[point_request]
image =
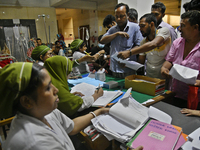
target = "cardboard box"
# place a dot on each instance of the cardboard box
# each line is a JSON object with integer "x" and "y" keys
{"x": 144, "y": 84}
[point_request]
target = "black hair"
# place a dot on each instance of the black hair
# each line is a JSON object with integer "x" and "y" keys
{"x": 193, "y": 17}
{"x": 195, "y": 5}
{"x": 159, "y": 5}
{"x": 39, "y": 39}
{"x": 122, "y": 4}
{"x": 31, "y": 90}
{"x": 186, "y": 6}
{"x": 56, "y": 42}
{"x": 99, "y": 38}
{"x": 149, "y": 18}
{"x": 108, "y": 20}
{"x": 81, "y": 46}
{"x": 133, "y": 14}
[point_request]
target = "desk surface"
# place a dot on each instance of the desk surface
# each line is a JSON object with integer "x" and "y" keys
{"x": 188, "y": 123}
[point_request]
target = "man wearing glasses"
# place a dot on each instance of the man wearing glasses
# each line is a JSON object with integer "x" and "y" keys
{"x": 123, "y": 36}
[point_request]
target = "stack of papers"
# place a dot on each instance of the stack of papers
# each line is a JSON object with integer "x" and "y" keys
{"x": 184, "y": 74}
{"x": 125, "y": 118}
{"x": 130, "y": 64}
{"x": 107, "y": 97}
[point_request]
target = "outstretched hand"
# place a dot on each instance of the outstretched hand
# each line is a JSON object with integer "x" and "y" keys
{"x": 124, "y": 54}
{"x": 87, "y": 58}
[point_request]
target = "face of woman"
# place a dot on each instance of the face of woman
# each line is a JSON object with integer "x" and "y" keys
{"x": 84, "y": 48}
{"x": 47, "y": 98}
{"x": 47, "y": 55}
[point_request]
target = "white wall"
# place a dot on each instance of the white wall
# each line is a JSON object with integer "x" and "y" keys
{"x": 139, "y": 6}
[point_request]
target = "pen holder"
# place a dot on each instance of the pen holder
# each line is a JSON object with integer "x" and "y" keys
{"x": 100, "y": 76}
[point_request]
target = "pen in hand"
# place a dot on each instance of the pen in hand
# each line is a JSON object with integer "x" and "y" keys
{"x": 98, "y": 88}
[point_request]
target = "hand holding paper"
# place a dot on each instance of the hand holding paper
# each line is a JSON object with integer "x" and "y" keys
{"x": 130, "y": 64}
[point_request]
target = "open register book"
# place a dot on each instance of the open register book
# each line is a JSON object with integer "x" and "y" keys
{"x": 126, "y": 117}
{"x": 88, "y": 90}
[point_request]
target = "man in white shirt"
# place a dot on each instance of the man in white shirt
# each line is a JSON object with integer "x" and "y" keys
{"x": 154, "y": 46}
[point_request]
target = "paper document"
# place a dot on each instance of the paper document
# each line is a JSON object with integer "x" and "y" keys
{"x": 107, "y": 97}
{"x": 184, "y": 74}
{"x": 82, "y": 88}
{"x": 130, "y": 64}
{"x": 125, "y": 118}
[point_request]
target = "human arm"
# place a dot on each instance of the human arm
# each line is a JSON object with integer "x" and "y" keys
{"x": 82, "y": 122}
{"x": 165, "y": 69}
{"x": 97, "y": 55}
{"x": 88, "y": 101}
{"x": 141, "y": 49}
{"x": 108, "y": 38}
{"x": 190, "y": 112}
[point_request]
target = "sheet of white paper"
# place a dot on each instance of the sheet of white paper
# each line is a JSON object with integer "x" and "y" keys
{"x": 159, "y": 115}
{"x": 126, "y": 107}
{"x": 82, "y": 88}
{"x": 187, "y": 146}
{"x": 130, "y": 64}
{"x": 196, "y": 144}
{"x": 194, "y": 135}
{"x": 184, "y": 74}
{"x": 107, "y": 97}
{"x": 114, "y": 125}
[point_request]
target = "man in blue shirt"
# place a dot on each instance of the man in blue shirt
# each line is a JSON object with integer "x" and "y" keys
{"x": 123, "y": 36}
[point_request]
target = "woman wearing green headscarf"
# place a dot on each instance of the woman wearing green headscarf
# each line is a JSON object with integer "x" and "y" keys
{"x": 41, "y": 53}
{"x": 38, "y": 125}
{"x": 59, "y": 67}
{"x": 79, "y": 48}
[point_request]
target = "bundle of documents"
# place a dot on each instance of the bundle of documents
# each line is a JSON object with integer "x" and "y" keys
{"x": 125, "y": 118}
{"x": 158, "y": 136}
{"x": 107, "y": 97}
{"x": 130, "y": 64}
{"x": 184, "y": 74}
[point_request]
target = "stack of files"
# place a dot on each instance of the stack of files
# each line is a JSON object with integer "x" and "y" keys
{"x": 193, "y": 142}
{"x": 88, "y": 80}
{"x": 126, "y": 117}
{"x": 158, "y": 136}
{"x": 88, "y": 90}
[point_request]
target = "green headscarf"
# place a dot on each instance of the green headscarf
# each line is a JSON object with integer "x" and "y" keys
{"x": 76, "y": 44}
{"x": 40, "y": 50}
{"x": 14, "y": 78}
{"x": 59, "y": 67}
